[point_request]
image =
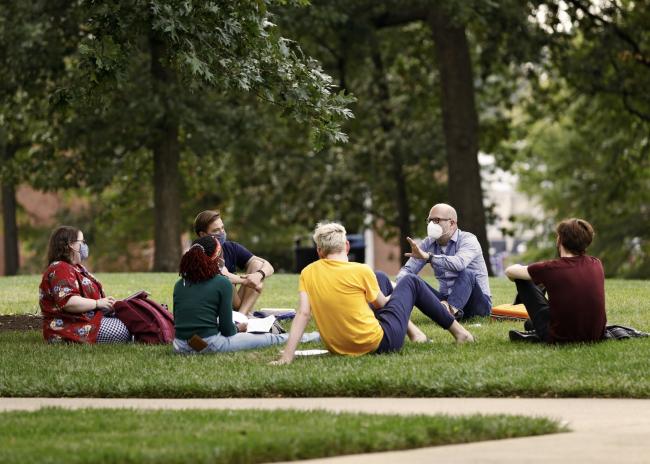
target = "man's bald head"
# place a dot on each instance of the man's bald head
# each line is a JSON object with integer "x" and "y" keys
{"x": 443, "y": 210}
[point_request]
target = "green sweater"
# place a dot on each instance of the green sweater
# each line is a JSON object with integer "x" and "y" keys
{"x": 198, "y": 305}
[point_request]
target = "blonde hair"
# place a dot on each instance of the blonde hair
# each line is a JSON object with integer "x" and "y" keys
{"x": 330, "y": 237}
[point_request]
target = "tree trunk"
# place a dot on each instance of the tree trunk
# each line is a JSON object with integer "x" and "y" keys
{"x": 166, "y": 152}
{"x": 397, "y": 163}
{"x": 10, "y": 224}
{"x": 10, "y": 229}
{"x": 460, "y": 125}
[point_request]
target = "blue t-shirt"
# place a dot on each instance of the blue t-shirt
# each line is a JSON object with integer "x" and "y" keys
{"x": 235, "y": 255}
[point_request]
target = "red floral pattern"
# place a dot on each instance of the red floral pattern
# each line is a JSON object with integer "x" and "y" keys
{"x": 61, "y": 281}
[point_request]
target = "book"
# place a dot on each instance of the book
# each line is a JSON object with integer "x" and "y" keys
{"x": 255, "y": 324}
{"x": 260, "y": 325}
{"x": 239, "y": 317}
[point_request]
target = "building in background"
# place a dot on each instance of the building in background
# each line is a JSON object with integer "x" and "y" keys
{"x": 501, "y": 195}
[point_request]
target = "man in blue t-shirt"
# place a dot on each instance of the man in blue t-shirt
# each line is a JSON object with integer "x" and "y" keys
{"x": 236, "y": 257}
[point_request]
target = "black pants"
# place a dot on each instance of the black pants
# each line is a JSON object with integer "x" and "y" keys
{"x": 536, "y": 305}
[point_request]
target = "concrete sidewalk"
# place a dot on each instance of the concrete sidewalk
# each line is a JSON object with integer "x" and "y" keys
{"x": 602, "y": 430}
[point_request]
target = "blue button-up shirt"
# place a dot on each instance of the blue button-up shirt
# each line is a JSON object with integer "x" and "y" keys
{"x": 463, "y": 251}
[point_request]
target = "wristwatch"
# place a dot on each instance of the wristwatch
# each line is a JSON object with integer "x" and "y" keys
{"x": 430, "y": 259}
{"x": 261, "y": 272}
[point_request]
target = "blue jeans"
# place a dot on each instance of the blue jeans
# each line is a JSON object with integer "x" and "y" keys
{"x": 239, "y": 342}
{"x": 467, "y": 297}
{"x": 410, "y": 291}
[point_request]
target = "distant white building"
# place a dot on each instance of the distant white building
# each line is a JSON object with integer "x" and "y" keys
{"x": 500, "y": 192}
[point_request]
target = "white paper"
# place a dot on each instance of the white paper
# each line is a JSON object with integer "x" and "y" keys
{"x": 310, "y": 352}
{"x": 239, "y": 317}
{"x": 260, "y": 325}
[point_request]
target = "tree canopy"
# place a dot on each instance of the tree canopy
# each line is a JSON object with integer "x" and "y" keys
{"x": 154, "y": 110}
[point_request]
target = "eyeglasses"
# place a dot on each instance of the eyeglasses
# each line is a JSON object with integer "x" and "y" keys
{"x": 436, "y": 220}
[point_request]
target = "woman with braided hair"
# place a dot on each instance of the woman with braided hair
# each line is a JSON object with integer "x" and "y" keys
{"x": 203, "y": 306}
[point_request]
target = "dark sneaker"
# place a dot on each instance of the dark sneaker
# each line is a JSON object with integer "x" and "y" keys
{"x": 528, "y": 325}
{"x": 528, "y": 336}
{"x": 277, "y": 328}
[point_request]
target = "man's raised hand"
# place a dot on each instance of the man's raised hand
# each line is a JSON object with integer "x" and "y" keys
{"x": 416, "y": 251}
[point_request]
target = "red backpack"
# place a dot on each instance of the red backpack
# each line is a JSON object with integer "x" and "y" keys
{"x": 147, "y": 320}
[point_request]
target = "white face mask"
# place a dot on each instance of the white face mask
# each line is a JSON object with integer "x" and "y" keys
{"x": 434, "y": 230}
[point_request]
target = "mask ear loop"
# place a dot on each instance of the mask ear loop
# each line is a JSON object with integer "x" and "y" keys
{"x": 217, "y": 248}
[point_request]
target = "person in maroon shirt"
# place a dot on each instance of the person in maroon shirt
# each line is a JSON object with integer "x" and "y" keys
{"x": 72, "y": 300}
{"x": 575, "y": 283}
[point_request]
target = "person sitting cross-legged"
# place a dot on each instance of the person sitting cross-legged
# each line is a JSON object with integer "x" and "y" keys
{"x": 457, "y": 261}
{"x": 203, "y": 307}
{"x": 575, "y": 282}
{"x": 337, "y": 293}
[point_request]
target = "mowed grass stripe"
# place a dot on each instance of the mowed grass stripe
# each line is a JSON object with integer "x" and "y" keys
{"x": 242, "y": 436}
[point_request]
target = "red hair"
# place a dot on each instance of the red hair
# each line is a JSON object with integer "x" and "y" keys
{"x": 200, "y": 262}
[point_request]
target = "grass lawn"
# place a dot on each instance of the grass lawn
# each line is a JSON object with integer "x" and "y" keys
{"x": 491, "y": 367}
{"x": 245, "y": 436}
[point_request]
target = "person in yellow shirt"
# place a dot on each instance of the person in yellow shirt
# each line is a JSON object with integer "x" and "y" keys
{"x": 337, "y": 293}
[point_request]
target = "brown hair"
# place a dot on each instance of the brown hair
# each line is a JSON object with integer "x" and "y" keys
{"x": 204, "y": 219}
{"x": 58, "y": 248}
{"x": 200, "y": 262}
{"x": 575, "y": 235}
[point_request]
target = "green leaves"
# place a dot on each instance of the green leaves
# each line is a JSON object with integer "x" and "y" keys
{"x": 103, "y": 55}
{"x": 235, "y": 46}
{"x": 583, "y": 137}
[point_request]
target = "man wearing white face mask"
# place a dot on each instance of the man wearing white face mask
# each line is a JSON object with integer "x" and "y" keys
{"x": 457, "y": 261}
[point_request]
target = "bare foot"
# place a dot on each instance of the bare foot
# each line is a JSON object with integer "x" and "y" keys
{"x": 460, "y": 333}
{"x": 415, "y": 334}
{"x": 418, "y": 338}
{"x": 464, "y": 338}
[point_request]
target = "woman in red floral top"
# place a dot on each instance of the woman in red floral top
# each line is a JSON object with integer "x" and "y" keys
{"x": 72, "y": 301}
